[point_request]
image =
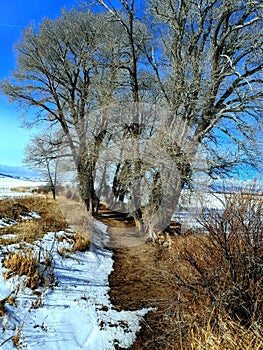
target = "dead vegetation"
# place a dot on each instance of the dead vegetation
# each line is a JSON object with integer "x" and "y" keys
{"x": 207, "y": 287}
{"x": 228, "y": 335}
{"x": 75, "y": 214}
{"x": 20, "y": 263}
{"x": 27, "y": 261}
{"x": 82, "y": 244}
{"x": 17, "y": 337}
{"x": 51, "y": 219}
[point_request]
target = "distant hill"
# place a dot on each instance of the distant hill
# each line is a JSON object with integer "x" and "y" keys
{"x": 18, "y": 172}
{"x": 206, "y": 184}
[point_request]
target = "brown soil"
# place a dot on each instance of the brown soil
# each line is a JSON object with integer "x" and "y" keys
{"x": 140, "y": 279}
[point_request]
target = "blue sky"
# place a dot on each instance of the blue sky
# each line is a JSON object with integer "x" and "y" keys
{"x": 15, "y": 15}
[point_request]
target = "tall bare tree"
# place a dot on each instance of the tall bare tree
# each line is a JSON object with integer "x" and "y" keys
{"x": 201, "y": 60}
{"x": 208, "y": 65}
{"x": 206, "y": 57}
{"x": 135, "y": 31}
{"x": 65, "y": 70}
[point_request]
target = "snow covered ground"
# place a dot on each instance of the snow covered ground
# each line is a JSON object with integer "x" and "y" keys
{"x": 192, "y": 203}
{"x": 7, "y": 184}
{"x": 76, "y": 312}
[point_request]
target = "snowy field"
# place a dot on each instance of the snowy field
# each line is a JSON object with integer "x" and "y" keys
{"x": 192, "y": 203}
{"x": 7, "y": 184}
{"x": 76, "y": 312}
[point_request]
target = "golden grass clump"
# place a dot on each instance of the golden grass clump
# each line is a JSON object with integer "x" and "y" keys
{"x": 17, "y": 337}
{"x": 23, "y": 264}
{"x": 225, "y": 335}
{"x": 81, "y": 244}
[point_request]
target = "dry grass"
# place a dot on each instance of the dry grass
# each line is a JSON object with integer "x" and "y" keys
{"x": 17, "y": 337}
{"x": 207, "y": 287}
{"x": 22, "y": 189}
{"x": 23, "y": 264}
{"x": 55, "y": 216}
{"x": 227, "y": 335}
{"x": 75, "y": 214}
{"x": 82, "y": 244}
{"x": 27, "y": 263}
{"x": 2, "y": 307}
{"x": 51, "y": 219}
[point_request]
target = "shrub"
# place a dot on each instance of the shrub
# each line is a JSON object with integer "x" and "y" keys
{"x": 235, "y": 277}
{"x": 211, "y": 282}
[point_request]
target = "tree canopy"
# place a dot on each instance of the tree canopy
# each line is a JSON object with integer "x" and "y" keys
{"x": 199, "y": 61}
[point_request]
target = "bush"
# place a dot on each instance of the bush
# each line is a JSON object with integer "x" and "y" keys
{"x": 235, "y": 278}
{"x": 216, "y": 280}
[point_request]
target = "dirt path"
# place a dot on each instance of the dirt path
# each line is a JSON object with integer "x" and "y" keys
{"x": 138, "y": 278}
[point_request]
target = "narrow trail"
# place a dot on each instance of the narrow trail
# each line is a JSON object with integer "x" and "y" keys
{"x": 134, "y": 280}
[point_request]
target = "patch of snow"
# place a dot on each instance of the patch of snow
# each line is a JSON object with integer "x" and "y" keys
{"x": 193, "y": 202}
{"x": 31, "y": 215}
{"x": 8, "y": 236}
{"x": 76, "y": 313}
{"x": 5, "y": 222}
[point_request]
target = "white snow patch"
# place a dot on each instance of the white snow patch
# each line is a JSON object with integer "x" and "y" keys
{"x": 31, "y": 215}
{"x": 76, "y": 313}
{"x": 5, "y": 222}
{"x": 8, "y": 236}
{"x": 193, "y": 202}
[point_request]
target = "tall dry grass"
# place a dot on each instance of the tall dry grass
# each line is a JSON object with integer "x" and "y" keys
{"x": 226, "y": 335}
{"x": 211, "y": 283}
{"x": 23, "y": 263}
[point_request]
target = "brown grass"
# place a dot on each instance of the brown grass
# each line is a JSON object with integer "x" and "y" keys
{"x": 82, "y": 244}
{"x": 26, "y": 263}
{"x": 207, "y": 287}
{"x": 22, "y": 264}
{"x": 76, "y": 216}
{"x": 227, "y": 335}
{"x": 2, "y": 307}
{"x": 17, "y": 337}
{"x": 30, "y": 230}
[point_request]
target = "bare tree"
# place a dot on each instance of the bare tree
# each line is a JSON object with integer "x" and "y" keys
{"x": 208, "y": 64}
{"x": 210, "y": 69}
{"x": 44, "y": 154}
{"x": 65, "y": 70}
{"x": 140, "y": 81}
{"x": 202, "y": 62}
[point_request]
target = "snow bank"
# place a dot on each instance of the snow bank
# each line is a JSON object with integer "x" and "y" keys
{"x": 76, "y": 313}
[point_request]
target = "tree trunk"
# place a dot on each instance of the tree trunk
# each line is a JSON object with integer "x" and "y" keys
{"x": 166, "y": 193}
{"x": 86, "y": 187}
